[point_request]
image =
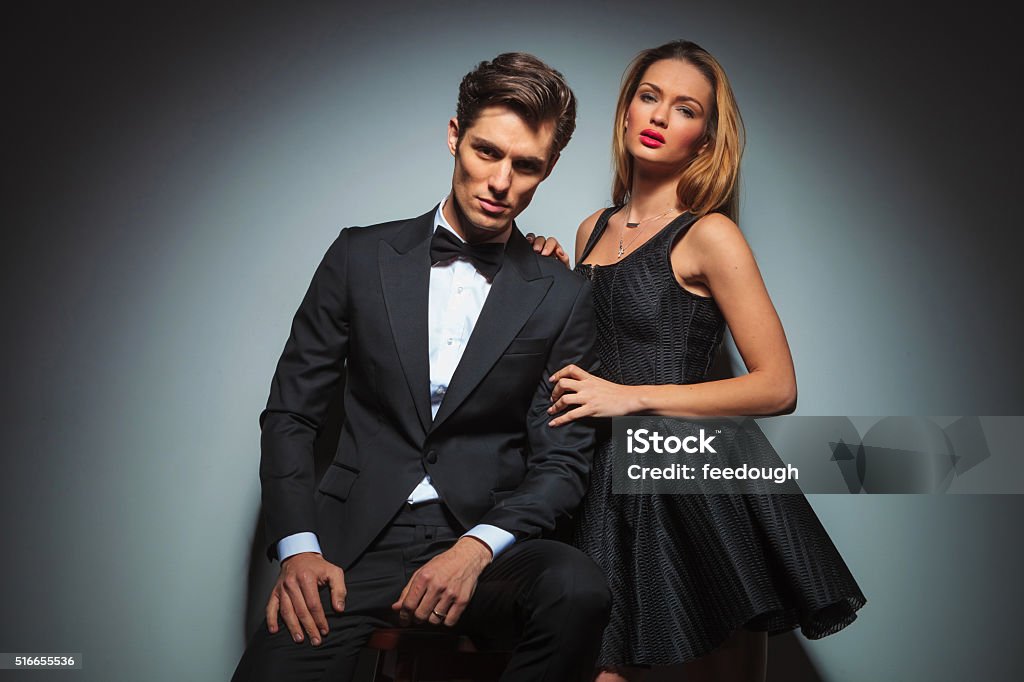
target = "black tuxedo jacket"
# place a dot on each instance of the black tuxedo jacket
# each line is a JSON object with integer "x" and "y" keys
{"x": 490, "y": 453}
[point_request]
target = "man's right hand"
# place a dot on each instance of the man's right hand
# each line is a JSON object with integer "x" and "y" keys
{"x": 296, "y": 595}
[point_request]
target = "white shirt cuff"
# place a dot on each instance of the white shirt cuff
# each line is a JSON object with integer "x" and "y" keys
{"x": 296, "y": 544}
{"x": 497, "y": 539}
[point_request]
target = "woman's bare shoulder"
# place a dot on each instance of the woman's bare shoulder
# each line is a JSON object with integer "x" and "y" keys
{"x": 586, "y": 229}
{"x": 716, "y": 233}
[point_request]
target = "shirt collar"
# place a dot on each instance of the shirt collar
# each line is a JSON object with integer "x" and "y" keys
{"x": 441, "y": 221}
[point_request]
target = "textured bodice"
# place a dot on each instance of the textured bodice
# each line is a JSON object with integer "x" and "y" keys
{"x": 650, "y": 330}
{"x": 684, "y": 570}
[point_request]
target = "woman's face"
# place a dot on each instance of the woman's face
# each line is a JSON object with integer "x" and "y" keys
{"x": 665, "y": 120}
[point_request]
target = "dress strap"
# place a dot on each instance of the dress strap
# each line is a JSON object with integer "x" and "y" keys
{"x": 684, "y": 221}
{"x": 599, "y": 227}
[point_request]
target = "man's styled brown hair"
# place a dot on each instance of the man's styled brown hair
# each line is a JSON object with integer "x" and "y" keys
{"x": 524, "y": 84}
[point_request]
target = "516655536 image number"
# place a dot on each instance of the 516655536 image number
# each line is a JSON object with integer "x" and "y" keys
{"x": 22, "y": 661}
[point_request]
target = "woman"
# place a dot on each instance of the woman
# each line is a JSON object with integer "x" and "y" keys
{"x": 694, "y": 578}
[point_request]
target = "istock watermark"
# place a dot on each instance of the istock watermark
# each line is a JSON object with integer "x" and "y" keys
{"x": 642, "y": 441}
{"x": 797, "y": 454}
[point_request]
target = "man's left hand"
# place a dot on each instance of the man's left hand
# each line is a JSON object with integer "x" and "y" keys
{"x": 440, "y": 590}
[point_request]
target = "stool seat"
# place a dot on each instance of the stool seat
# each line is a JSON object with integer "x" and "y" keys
{"x": 432, "y": 655}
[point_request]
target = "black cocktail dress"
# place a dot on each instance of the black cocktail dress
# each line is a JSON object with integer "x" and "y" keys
{"x": 687, "y": 570}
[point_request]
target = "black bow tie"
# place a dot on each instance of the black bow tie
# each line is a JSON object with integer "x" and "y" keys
{"x": 486, "y": 258}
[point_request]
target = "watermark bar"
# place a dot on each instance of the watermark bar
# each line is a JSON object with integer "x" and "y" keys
{"x": 817, "y": 455}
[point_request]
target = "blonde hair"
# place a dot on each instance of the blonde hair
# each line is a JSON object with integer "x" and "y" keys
{"x": 710, "y": 181}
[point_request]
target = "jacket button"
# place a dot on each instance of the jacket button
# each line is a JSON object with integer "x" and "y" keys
{"x": 432, "y": 457}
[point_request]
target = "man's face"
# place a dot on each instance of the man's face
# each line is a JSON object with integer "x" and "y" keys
{"x": 499, "y": 162}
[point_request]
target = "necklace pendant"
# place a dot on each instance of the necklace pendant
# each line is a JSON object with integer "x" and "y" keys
{"x": 632, "y": 224}
{"x": 621, "y": 250}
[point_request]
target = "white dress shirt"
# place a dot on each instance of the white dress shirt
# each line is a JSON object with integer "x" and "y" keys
{"x": 456, "y": 297}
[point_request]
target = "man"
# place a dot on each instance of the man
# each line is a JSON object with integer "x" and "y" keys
{"x": 447, "y": 328}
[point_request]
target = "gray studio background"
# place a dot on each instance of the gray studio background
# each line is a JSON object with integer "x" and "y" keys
{"x": 174, "y": 177}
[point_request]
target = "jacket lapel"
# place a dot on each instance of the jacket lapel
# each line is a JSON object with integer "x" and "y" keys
{"x": 405, "y": 280}
{"x": 515, "y": 293}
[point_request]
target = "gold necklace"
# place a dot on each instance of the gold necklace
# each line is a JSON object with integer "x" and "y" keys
{"x": 622, "y": 233}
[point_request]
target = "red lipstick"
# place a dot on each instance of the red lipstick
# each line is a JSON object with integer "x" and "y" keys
{"x": 651, "y": 138}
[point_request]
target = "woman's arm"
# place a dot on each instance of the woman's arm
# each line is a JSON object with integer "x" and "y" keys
{"x": 713, "y": 257}
{"x": 715, "y": 254}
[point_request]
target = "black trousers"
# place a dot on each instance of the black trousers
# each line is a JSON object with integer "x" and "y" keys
{"x": 544, "y": 597}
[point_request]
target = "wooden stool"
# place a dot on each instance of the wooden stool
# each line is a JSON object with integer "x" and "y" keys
{"x": 422, "y": 655}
